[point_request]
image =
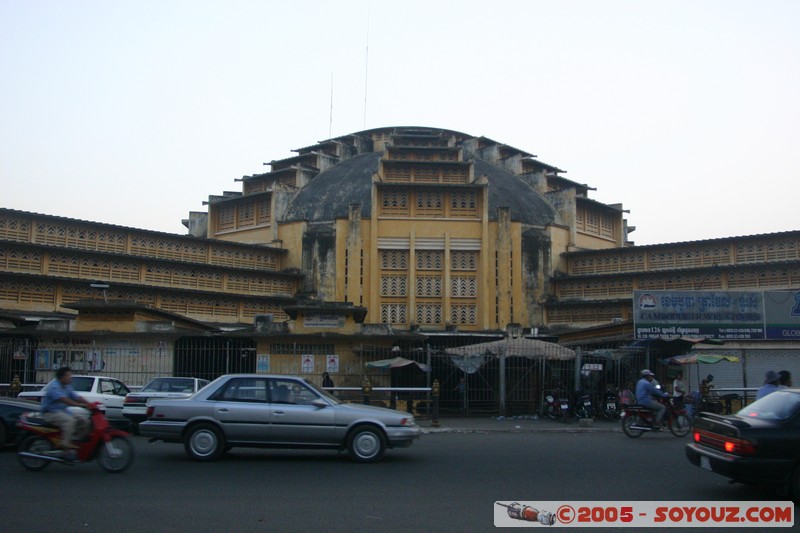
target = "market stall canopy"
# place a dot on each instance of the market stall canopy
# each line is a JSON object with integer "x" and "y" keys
{"x": 515, "y": 348}
{"x": 397, "y": 362}
{"x": 694, "y": 358}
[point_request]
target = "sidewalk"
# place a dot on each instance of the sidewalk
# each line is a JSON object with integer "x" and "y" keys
{"x": 522, "y": 424}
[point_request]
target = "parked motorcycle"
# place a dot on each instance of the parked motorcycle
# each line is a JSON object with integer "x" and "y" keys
{"x": 557, "y": 407}
{"x": 637, "y": 420}
{"x": 610, "y": 404}
{"x": 38, "y": 443}
{"x": 583, "y": 405}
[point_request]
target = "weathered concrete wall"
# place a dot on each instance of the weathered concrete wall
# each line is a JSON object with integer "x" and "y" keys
{"x": 536, "y": 261}
{"x": 319, "y": 261}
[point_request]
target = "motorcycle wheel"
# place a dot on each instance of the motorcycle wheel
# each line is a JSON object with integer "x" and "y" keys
{"x": 34, "y": 444}
{"x": 551, "y": 413}
{"x": 680, "y": 426}
{"x": 632, "y": 420}
{"x": 119, "y": 457}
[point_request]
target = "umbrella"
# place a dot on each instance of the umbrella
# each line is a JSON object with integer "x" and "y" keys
{"x": 397, "y": 362}
{"x": 694, "y": 358}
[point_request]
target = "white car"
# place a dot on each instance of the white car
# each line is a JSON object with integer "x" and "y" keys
{"x": 134, "y": 408}
{"x": 110, "y": 392}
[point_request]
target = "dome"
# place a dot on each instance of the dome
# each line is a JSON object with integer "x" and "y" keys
{"x": 328, "y": 196}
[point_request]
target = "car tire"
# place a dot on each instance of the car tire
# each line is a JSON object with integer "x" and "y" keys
{"x": 366, "y": 444}
{"x": 204, "y": 442}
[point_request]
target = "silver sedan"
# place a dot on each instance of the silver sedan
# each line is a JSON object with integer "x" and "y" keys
{"x": 257, "y": 410}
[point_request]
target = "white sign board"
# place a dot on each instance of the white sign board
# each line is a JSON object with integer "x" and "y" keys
{"x": 332, "y": 364}
{"x": 308, "y": 363}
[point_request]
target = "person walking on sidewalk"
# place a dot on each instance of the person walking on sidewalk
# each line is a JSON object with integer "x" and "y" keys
{"x": 461, "y": 389}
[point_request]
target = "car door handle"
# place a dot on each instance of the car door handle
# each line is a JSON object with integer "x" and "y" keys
{"x": 223, "y": 410}
{"x": 278, "y": 412}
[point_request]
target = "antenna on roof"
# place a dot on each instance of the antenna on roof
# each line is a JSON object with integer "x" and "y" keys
{"x": 366, "y": 66}
{"x": 330, "y": 122}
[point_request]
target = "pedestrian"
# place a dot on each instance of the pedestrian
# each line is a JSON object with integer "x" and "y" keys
{"x": 327, "y": 382}
{"x": 784, "y": 379}
{"x": 770, "y": 384}
{"x": 461, "y": 389}
{"x": 705, "y": 388}
{"x": 678, "y": 388}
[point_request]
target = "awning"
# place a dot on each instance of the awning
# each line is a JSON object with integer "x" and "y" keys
{"x": 522, "y": 347}
{"x": 694, "y": 358}
{"x": 397, "y": 362}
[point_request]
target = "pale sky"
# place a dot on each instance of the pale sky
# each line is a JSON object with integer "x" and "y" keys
{"x": 132, "y": 113}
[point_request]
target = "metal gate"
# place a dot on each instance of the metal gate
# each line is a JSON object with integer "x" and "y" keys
{"x": 211, "y": 357}
{"x": 17, "y": 358}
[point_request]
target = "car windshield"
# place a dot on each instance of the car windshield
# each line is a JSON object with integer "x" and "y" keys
{"x": 79, "y": 384}
{"x": 779, "y": 405}
{"x": 169, "y": 385}
{"x": 323, "y": 392}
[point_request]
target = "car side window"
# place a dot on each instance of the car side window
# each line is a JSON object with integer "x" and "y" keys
{"x": 291, "y": 392}
{"x": 120, "y": 389}
{"x": 106, "y": 386}
{"x": 243, "y": 390}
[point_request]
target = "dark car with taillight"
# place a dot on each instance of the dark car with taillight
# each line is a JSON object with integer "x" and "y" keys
{"x": 758, "y": 445}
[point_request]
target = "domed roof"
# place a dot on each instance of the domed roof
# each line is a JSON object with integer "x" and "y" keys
{"x": 328, "y": 196}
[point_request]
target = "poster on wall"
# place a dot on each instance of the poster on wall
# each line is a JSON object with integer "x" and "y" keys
{"x": 262, "y": 363}
{"x": 332, "y": 364}
{"x": 94, "y": 360}
{"x": 76, "y": 360}
{"x": 42, "y": 359}
{"x": 59, "y": 358}
{"x": 308, "y": 363}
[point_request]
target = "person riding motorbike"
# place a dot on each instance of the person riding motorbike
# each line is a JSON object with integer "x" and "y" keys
{"x": 646, "y": 391}
{"x": 55, "y": 403}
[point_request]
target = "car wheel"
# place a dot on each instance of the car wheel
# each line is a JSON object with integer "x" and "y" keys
{"x": 204, "y": 442}
{"x": 366, "y": 444}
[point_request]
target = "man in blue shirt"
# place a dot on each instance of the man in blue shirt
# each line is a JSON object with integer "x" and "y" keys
{"x": 646, "y": 391}
{"x": 55, "y": 403}
{"x": 770, "y": 384}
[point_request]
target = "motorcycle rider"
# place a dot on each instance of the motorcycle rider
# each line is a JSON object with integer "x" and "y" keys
{"x": 55, "y": 403}
{"x": 646, "y": 391}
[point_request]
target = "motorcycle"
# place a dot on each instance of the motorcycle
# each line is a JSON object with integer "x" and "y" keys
{"x": 637, "y": 420}
{"x": 610, "y": 404}
{"x": 39, "y": 441}
{"x": 583, "y": 405}
{"x": 557, "y": 407}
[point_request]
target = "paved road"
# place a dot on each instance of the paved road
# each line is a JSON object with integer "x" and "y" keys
{"x": 445, "y": 482}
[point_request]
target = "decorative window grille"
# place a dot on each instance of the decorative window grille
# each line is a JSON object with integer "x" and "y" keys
{"x": 463, "y": 287}
{"x": 463, "y": 203}
{"x": 430, "y": 203}
{"x": 455, "y": 174}
{"x": 394, "y": 259}
{"x": 14, "y": 229}
{"x": 397, "y": 173}
{"x": 227, "y": 218}
{"x": 394, "y": 202}
{"x": 606, "y": 226}
{"x": 426, "y": 174}
{"x": 393, "y": 313}
{"x": 429, "y": 286}
{"x": 430, "y": 259}
{"x": 21, "y": 260}
{"x": 394, "y": 285}
{"x": 247, "y": 214}
{"x": 264, "y": 215}
{"x": 429, "y": 314}
{"x": 464, "y": 314}
{"x": 464, "y": 260}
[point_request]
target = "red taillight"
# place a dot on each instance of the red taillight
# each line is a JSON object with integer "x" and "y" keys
{"x": 696, "y": 436}
{"x": 128, "y": 399}
{"x": 150, "y": 411}
{"x": 739, "y": 447}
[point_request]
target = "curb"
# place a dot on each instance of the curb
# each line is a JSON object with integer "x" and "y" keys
{"x": 520, "y": 430}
